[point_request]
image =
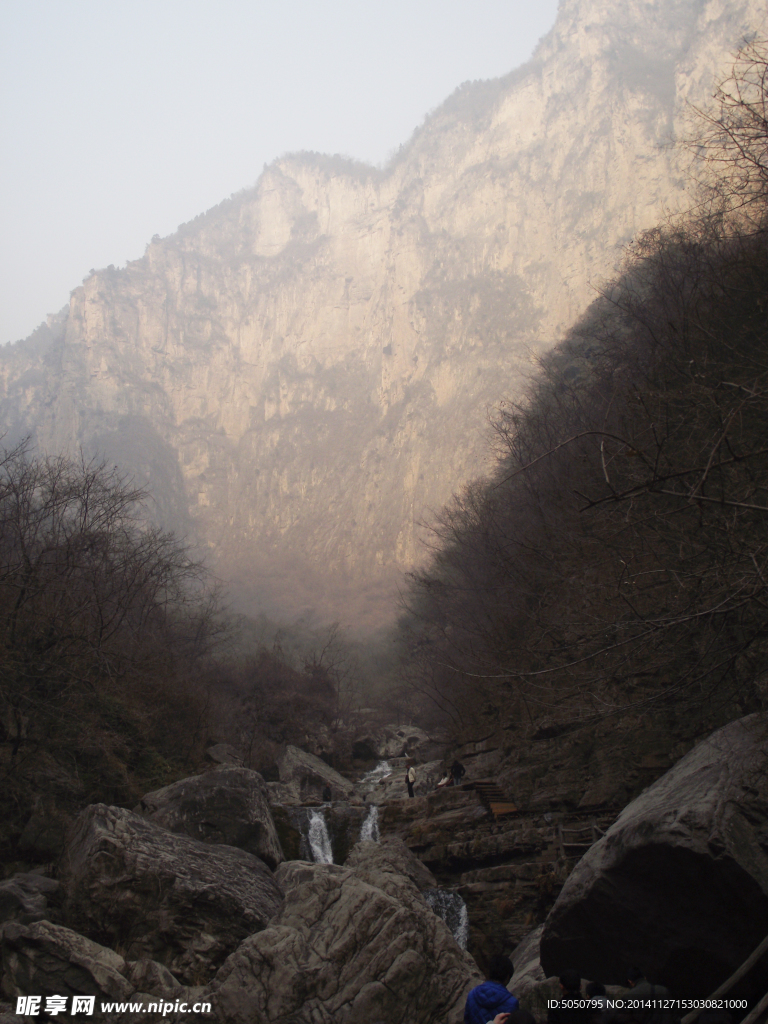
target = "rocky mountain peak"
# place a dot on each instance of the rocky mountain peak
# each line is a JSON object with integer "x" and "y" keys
{"x": 302, "y": 373}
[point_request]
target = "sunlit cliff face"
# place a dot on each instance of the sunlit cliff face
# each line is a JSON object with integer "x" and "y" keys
{"x": 305, "y": 372}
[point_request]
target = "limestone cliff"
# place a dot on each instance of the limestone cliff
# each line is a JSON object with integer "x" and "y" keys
{"x": 302, "y": 373}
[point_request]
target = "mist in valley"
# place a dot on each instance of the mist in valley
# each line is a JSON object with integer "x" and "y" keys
{"x": 449, "y": 448}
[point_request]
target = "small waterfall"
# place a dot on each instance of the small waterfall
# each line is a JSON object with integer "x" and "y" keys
{"x": 381, "y": 771}
{"x": 369, "y": 830}
{"x": 453, "y": 910}
{"x": 319, "y": 840}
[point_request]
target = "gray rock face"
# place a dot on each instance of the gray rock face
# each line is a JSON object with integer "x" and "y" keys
{"x": 527, "y": 963}
{"x": 28, "y": 897}
{"x": 679, "y": 884}
{"x": 167, "y": 897}
{"x": 47, "y": 959}
{"x": 228, "y": 805}
{"x": 225, "y": 753}
{"x": 346, "y": 951}
{"x": 386, "y": 863}
{"x": 281, "y": 795}
{"x": 405, "y": 741}
{"x": 150, "y": 976}
{"x": 333, "y": 310}
{"x": 305, "y": 776}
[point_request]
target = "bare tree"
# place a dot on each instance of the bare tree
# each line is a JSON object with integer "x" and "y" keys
{"x": 731, "y": 139}
{"x": 92, "y": 598}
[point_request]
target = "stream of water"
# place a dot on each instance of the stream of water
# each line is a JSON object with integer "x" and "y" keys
{"x": 453, "y": 910}
{"x": 318, "y": 839}
{"x": 446, "y": 904}
{"x": 381, "y": 771}
{"x": 369, "y": 830}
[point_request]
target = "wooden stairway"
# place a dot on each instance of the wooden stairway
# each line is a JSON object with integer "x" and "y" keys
{"x": 494, "y": 799}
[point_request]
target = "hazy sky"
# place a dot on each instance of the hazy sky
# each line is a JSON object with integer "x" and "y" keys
{"x": 124, "y": 118}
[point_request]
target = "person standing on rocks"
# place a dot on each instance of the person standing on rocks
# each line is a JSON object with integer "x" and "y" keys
{"x": 458, "y": 771}
{"x": 570, "y": 991}
{"x": 410, "y": 780}
{"x": 641, "y": 988}
{"x": 492, "y": 999}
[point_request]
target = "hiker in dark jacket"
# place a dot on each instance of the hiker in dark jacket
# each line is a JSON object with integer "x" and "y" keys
{"x": 493, "y": 997}
{"x": 458, "y": 771}
{"x": 520, "y": 1016}
{"x": 570, "y": 989}
{"x": 641, "y": 988}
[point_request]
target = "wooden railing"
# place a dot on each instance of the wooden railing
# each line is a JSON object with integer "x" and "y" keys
{"x": 590, "y": 831}
{"x": 737, "y": 975}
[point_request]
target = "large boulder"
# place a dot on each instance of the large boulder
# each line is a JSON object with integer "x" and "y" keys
{"x": 229, "y": 805}
{"x": 385, "y": 864}
{"x": 225, "y": 753}
{"x": 679, "y": 884}
{"x": 45, "y": 959}
{"x": 163, "y": 896}
{"x": 48, "y": 959}
{"x": 393, "y": 741}
{"x": 349, "y": 945}
{"x": 28, "y": 897}
{"x": 526, "y": 960}
{"x": 304, "y": 777}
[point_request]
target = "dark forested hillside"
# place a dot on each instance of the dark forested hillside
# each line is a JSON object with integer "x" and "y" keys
{"x": 618, "y": 558}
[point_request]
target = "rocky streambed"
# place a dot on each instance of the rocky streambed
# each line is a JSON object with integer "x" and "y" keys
{"x": 189, "y": 899}
{"x": 262, "y": 902}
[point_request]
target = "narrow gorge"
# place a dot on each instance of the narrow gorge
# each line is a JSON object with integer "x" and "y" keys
{"x": 454, "y": 466}
{"x": 303, "y": 374}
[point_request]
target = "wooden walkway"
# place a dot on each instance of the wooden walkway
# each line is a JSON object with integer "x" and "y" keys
{"x": 497, "y": 802}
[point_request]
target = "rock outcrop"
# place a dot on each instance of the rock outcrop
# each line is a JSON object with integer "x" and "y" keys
{"x": 48, "y": 959}
{"x": 526, "y": 960}
{"x": 163, "y": 896}
{"x": 386, "y": 863}
{"x": 348, "y": 944}
{"x": 228, "y": 805}
{"x": 225, "y": 753}
{"x": 679, "y": 884}
{"x": 300, "y": 374}
{"x": 303, "y": 777}
{"x": 343, "y": 950}
{"x": 405, "y": 741}
{"x": 29, "y": 897}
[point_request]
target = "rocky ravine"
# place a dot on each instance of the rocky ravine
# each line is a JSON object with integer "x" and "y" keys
{"x": 142, "y": 914}
{"x": 300, "y": 373}
{"x": 678, "y": 884}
